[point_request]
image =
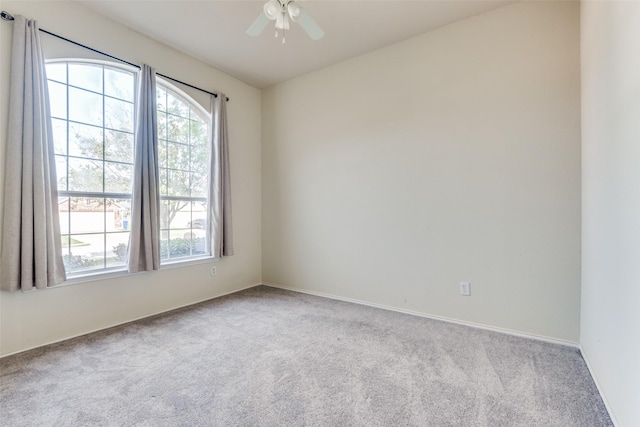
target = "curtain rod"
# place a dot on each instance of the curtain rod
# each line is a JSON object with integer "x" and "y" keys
{"x": 8, "y": 17}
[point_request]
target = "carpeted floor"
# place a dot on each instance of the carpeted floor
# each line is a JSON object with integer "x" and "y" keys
{"x": 268, "y": 357}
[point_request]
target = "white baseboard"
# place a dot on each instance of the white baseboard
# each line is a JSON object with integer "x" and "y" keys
{"x": 600, "y": 390}
{"x": 127, "y": 321}
{"x": 434, "y": 317}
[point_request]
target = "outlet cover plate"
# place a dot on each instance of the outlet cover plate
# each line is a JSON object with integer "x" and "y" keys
{"x": 465, "y": 288}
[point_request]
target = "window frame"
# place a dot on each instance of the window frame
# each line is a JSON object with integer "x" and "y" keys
{"x": 205, "y": 117}
{"x": 121, "y": 270}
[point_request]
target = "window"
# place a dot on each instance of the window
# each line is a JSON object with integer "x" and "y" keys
{"x": 92, "y": 112}
{"x": 182, "y": 153}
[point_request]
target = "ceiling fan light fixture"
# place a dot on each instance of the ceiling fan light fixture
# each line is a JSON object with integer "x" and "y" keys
{"x": 282, "y": 11}
{"x": 294, "y": 10}
{"x": 272, "y": 9}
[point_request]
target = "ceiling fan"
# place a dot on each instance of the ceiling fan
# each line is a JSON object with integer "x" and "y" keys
{"x": 282, "y": 11}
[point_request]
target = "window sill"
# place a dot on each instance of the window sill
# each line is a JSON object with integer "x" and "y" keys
{"x": 111, "y": 274}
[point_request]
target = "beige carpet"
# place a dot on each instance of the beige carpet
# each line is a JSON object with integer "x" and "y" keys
{"x": 268, "y": 357}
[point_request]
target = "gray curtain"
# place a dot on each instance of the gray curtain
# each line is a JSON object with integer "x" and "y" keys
{"x": 221, "y": 235}
{"x": 31, "y": 248}
{"x": 144, "y": 240}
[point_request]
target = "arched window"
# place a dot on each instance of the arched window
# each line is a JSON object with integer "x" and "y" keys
{"x": 183, "y": 152}
{"x": 93, "y": 115}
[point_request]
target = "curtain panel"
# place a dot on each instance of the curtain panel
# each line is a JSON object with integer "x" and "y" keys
{"x": 144, "y": 240}
{"x": 221, "y": 233}
{"x": 31, "y": 246}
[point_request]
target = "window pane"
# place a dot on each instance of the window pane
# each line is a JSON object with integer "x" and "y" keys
{"x": 179, "y": 212}
{"x": 85, "y": 107}
{"x": 118, "y": 146}
{"x": 118, "y": 114}
{"x": 198, "y": 244}
{"x": 184, "y": 160}
{"x": 177, "y": 129}
{"x": 178, "y": 156}
{"x": 118, "y": 215}
{"x": 61, "y": 172}
{"x": 176, "y": 106}
{"x": 85, "y": 141}
{"x": 164, "y": 179}
{"x": 57, "y": 99}
{"x": 196, "y": 114}
{"x": 164, "y": 247}
{"x": 117, "y": 247}
{"x": 87, "y": 252}
{"x": 196, "y": 227}
{"x": 59, "y": 136}
{"x": 164, "y": 217}
{"x": 87, "y": 215}
{"x": 199, "y": 187}
{"x": 162, "y": 153}
{"x": 162, "y": 125}
{"x": 85, "y": 175}
{"x": 179, "y": 247}
{"x": 198, "y": 216}
{"x": 57, "y": 72}
{"x": 118, "y": 84}
{"x": 199, "y": 158}
{"x": 66, "y": 249}
{"x": 63, "y": 214}
{"x": 121, "y": 216}
{"x": 117, "y": 177}
{"x": 180, "y": 237}
{"x": 161, "y": 98}
{"x": 198, "y": 131}
{"x": 86, "y": 76}
{"x": 178, "y": 184}
{"x": 168, "y": 212}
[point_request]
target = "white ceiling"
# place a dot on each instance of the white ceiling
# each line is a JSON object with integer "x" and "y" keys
{"x": 214, "y": 31}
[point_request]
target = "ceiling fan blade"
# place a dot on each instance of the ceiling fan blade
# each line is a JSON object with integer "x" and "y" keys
{"x": 309, "y": 26}
{"x": 259, "y": 25}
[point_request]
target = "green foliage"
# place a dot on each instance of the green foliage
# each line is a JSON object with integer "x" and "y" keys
{"x": 181, "y": 247}
{"x": 77, "y": 262}
{"x": 121, "y": 250}
{"x": 174, "y": 247}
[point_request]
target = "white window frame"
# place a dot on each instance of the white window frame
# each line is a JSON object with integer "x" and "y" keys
{"x": 204, "y": 115}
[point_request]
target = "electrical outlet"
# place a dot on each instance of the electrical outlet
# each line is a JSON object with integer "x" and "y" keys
{"x": 465, "y": 288}
{"x": 213, "y": 271}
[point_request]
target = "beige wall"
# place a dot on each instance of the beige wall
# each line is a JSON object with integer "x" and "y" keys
{"x": 610, "y": 318}
{"x": 453, "y": 156}
{"x": 39, "y": 317}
